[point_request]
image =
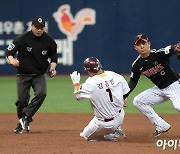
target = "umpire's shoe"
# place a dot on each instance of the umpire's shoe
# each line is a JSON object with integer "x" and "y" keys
{"x": 18, "y": 129}
{"x": 25, "y": 123}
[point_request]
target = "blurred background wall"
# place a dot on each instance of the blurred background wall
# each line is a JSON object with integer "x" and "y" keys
{"x": 101, "y": 28}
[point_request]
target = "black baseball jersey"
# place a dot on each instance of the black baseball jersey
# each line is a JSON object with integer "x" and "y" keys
{"x": 155, "y": 67}
{"x": 33, "y": 52}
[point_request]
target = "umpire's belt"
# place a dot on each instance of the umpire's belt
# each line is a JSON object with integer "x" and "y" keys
{"x": 107, "y": 120}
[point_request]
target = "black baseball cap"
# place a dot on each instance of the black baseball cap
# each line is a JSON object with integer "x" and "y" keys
{"x": 38, "y": 21}
{"x": 140, "y": 37}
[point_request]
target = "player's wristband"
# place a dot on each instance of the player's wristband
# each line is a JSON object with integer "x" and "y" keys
{"x": 77, "y": 84}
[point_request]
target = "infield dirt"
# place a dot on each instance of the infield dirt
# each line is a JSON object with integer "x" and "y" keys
{"x": 59, "y": 134}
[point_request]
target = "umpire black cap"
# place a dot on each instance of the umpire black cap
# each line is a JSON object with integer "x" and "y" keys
{"x": 38, "y": 21}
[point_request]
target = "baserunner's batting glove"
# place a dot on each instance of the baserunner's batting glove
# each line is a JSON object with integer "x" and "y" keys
{"x": 75, "y": 77}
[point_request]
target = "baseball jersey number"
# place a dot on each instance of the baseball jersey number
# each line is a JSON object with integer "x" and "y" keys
{"x": 110, "y": 94}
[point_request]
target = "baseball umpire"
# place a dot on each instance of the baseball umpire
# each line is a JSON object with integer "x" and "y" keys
{"x": 33, "y": 49}
{"x": 105, "y": 90}
{"x": 154, "y": 64}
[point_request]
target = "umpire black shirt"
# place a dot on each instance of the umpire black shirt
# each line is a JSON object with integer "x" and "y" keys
{"x": 33, "y": 52}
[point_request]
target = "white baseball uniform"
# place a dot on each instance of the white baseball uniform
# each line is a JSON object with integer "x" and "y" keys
{"x": 105, "y": 92}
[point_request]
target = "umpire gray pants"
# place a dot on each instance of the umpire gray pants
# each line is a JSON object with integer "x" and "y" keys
{"x": 24, "y": 84}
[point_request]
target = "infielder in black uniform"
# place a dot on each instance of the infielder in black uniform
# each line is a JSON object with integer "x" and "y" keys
{"x": 33, "y": 49}
{"x": 154, "y": 64}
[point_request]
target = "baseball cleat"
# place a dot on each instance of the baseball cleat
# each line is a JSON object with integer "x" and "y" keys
{"x": 25, "y": 123}
{"x": 120, "y": 133}
{"x": 158, "y": 133}
{"x": 18, "y": 129}
{"x": 111, "y": 137}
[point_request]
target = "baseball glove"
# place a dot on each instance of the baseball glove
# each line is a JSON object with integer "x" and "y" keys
{"x": 176, "y": 49}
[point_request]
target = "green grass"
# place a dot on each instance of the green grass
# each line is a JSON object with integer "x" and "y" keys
{"x": 60, "y": 96}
